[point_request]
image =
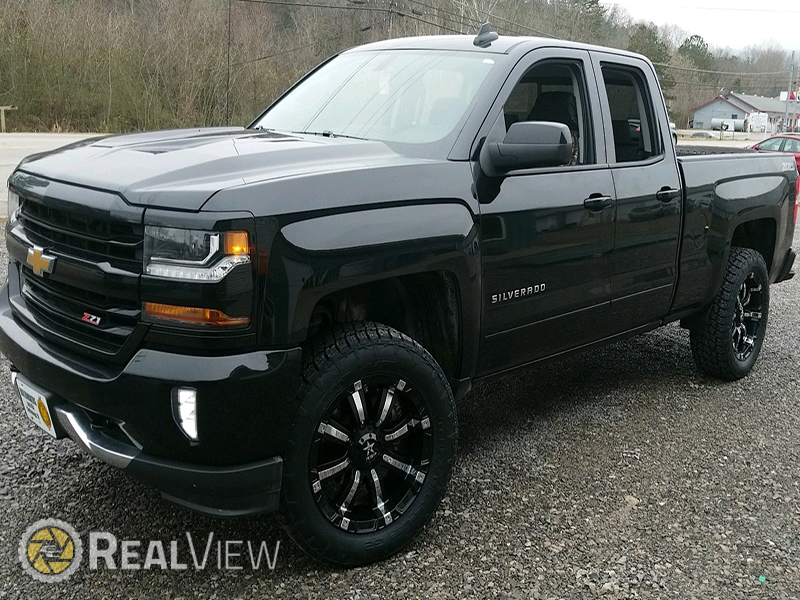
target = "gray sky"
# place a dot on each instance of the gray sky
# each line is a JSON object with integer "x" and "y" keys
{"x": 733, "y": 24}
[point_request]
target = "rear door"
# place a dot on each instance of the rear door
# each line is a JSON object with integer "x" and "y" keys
{"x": 547, "y": 234}
{"x": 648, "y": 190}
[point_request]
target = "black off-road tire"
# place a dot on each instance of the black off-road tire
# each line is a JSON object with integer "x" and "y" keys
{"x": 333, "y": 363}
{"x": 712, "y": 337}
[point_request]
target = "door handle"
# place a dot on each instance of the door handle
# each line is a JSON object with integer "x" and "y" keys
{"x": 598, "y": 202}
{"x": 667, "y": 194}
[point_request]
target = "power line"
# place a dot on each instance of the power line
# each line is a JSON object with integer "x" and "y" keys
{"x": 719, "y": 89}
{"x": 311, "y": 45}
{"x": 717, "y": 8}
{"x": 399, "y": 13}
{"x": 461, "y": 19}
{"x": 476, "y": 22}
{"x": 411, "y": 13}
{"x": 494, "y": 17}
{"x": 689, "y": 69}
{"x": 415, "y": 18}
{"x": 228, "y": 86}
{"x": 389, "y": 10}
{"x": 317, "y": 5}
{"x": 737, "y": 81}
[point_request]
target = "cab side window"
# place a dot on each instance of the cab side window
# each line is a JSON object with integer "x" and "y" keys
{"x": 773, "y": 144}
{"x": 633, "y": 123}
{"x": 555, "y": 92}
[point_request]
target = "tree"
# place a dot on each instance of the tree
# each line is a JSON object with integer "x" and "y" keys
{"x": 580, "y": 20}
{"x": 696, "y": 50}
{"x": 646, "y": 40}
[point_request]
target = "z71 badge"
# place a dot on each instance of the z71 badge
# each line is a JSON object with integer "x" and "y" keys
{"x": 91, "y": 319}
{"x": 520, "y": 293}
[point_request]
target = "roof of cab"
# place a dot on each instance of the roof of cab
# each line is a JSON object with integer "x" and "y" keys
{"x": 464, "y": 43}
{"x": 448, "y": 42}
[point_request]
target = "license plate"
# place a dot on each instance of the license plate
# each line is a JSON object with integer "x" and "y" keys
{"x": 36, "y": 407}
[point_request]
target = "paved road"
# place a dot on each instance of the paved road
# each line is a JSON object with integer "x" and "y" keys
{"x": 622, "y": 473}
{"x": 16, "y": 146}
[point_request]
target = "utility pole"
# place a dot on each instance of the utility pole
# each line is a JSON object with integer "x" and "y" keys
{"x": 788, "y": 95}
{"x": 228, "y": 83}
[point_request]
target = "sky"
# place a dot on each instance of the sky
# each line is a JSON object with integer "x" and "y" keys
{"x": 733, "y": 24}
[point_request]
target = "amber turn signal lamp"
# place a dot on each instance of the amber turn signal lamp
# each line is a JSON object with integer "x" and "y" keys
{"x": 237, "y": 243}
{"x": 188, "y": 314}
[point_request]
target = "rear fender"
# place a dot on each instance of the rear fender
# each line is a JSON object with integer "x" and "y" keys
{"x": 714, "y": 210}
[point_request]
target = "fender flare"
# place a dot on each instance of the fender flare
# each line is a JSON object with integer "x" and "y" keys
{"x": 316, "y": 257}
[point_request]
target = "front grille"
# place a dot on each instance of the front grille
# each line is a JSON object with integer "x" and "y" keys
{"x": 83, "y": 235}
{"x": 62, "y": 308}
{"x": 89, "y": 301}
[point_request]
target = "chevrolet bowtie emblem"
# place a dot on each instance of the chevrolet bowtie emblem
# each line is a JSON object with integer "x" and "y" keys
{"x": 39, "y": 262}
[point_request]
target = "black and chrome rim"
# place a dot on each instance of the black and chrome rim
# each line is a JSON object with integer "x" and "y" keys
{"x": 748, "y": 317}
{"x": 370, "y": 454}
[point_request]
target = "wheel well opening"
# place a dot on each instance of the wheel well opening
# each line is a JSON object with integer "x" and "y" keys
{"x": 757, "y": 235}
{"x": 424, "y": 306}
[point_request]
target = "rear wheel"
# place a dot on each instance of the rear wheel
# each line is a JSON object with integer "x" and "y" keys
{"x": 372, "y": 445}
{"x": 726, "y": 344}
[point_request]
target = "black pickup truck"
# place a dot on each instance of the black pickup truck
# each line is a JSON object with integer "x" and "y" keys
{"x": 281, "y": 317}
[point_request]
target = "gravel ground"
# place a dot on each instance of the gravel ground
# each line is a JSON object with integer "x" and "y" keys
{"x": 622, "y": 473}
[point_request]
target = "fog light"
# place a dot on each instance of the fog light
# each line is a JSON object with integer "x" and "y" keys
{"x": 184, "y": 410}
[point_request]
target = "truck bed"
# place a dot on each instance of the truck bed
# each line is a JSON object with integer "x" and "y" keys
{"x": 705, "y": 150}
{"x": 724, "y": 188}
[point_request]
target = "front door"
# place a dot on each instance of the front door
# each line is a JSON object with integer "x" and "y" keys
{"x": 547, "y": 234}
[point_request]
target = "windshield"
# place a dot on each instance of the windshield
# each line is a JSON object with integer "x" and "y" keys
{"x": 405, "y": 96}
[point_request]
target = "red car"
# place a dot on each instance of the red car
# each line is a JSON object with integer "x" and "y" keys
{"x": 781, "y": 143}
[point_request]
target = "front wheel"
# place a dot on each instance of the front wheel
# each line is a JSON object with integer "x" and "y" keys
{"x": 728, "y": 341}
{"x": 372, "y": 445}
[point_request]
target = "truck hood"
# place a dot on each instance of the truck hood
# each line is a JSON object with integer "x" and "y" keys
{"x": 182, "y": 169}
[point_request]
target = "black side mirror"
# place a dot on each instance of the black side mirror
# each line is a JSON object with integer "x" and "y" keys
{"x": 528, "y": 145}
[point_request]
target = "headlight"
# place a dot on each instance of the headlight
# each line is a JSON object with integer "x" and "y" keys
{"x": 13, "y": 205}
{"x": 189, "y": 254}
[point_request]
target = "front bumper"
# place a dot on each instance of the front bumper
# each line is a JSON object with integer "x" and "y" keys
{"x": 219, "y": 491}
{"x": 123, "y": 416}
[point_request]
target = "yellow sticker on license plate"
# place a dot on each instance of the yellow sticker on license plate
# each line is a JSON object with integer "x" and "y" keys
{"x": 36, "y": 407}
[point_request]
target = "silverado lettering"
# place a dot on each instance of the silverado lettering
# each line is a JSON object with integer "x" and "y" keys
{"x": 520, "y": 293}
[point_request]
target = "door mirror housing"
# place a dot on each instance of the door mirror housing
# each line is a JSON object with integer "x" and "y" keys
{"x": 528, "y": 145}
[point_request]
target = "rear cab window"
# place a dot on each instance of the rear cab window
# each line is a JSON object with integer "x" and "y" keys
{"x": 634, "y": 127}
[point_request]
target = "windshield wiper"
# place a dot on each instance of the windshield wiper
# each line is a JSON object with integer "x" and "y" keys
{"x": 329, "y": 134}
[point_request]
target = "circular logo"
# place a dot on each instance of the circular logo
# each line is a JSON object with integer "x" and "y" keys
{"x": 50, "y": 550}
{"x": 43, "y": 413}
